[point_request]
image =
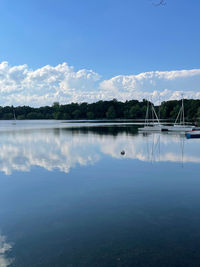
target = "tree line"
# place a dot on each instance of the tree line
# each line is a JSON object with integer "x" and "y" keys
{"x": 113, "y": 109}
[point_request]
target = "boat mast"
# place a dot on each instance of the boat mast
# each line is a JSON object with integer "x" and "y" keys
{"x": 153, "y": 110}
{"x": 14, "y": 114}
{"x": 159, "y": 108}
{"x": 147, "y": 114}
{"x": 183, "y": 112}
{"x": 181, "y": 115}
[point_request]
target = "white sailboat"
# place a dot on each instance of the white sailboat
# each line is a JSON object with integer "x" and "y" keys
{"x": 180, "y": 126}
{"x": 152, "y": 126}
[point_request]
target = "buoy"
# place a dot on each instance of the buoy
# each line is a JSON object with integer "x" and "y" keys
{"x": 122, "y": 152}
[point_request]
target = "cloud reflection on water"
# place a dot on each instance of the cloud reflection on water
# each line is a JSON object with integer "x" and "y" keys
{"x": 5, "y": 247}
{"x": 64, "y": 149}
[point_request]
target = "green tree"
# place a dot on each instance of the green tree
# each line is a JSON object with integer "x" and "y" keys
{"x": 34, "y": 116}
{"x": 8, "y": 116}
{"x": 56, "y": 105}
{"x": 57, "y": 115}
{"x": 90, "y": 115}
{"x": 174, "y": 112}
{"x": 76, "y": 114}
{"x": 111, "y": 114}
{"x": 21, "y": 117}
{"x": 198, "y": 113}
{"x": 134, "y": 112}
{"x": 126, "y": 113}
{"x": 66, "y": 116}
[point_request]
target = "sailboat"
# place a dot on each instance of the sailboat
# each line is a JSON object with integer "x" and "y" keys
{"x": 152, "y": 126}
{"x": 181, "y": 126}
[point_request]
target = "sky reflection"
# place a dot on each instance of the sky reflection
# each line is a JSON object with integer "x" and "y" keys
{"x": 5, "y": 247}
{"x": 63, "y": 149}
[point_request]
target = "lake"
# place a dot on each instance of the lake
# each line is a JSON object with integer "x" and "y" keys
{"x": 69, "y": 197}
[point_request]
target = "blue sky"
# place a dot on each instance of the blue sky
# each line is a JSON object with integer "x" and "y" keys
{"x": 108, "y": 37}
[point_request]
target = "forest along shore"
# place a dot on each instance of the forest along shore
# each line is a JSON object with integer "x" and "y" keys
{"x": 113, "y": 109}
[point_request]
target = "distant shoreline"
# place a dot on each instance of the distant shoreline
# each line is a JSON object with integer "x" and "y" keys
{"x": 102, "y": 110}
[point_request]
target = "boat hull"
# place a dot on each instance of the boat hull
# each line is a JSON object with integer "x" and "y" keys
{"x": 150, "y": 129}
{"x": 180, "y": 128}
{"x": 155, "y": 128}
{"x": 193, "y": 134}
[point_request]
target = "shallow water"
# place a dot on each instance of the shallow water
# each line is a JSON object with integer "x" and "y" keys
{"x": 69, "y": 198}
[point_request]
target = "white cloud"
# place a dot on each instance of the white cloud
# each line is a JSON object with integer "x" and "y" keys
{"x": 20, "y": 85}
{"x": 166, "y": 84}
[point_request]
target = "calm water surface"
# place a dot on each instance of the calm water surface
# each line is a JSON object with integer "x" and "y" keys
{"x": 69, "y": 198}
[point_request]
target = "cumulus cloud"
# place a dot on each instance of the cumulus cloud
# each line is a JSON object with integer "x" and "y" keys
{"x": 164, "y": 84}
{"x": 20, "y": 85}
